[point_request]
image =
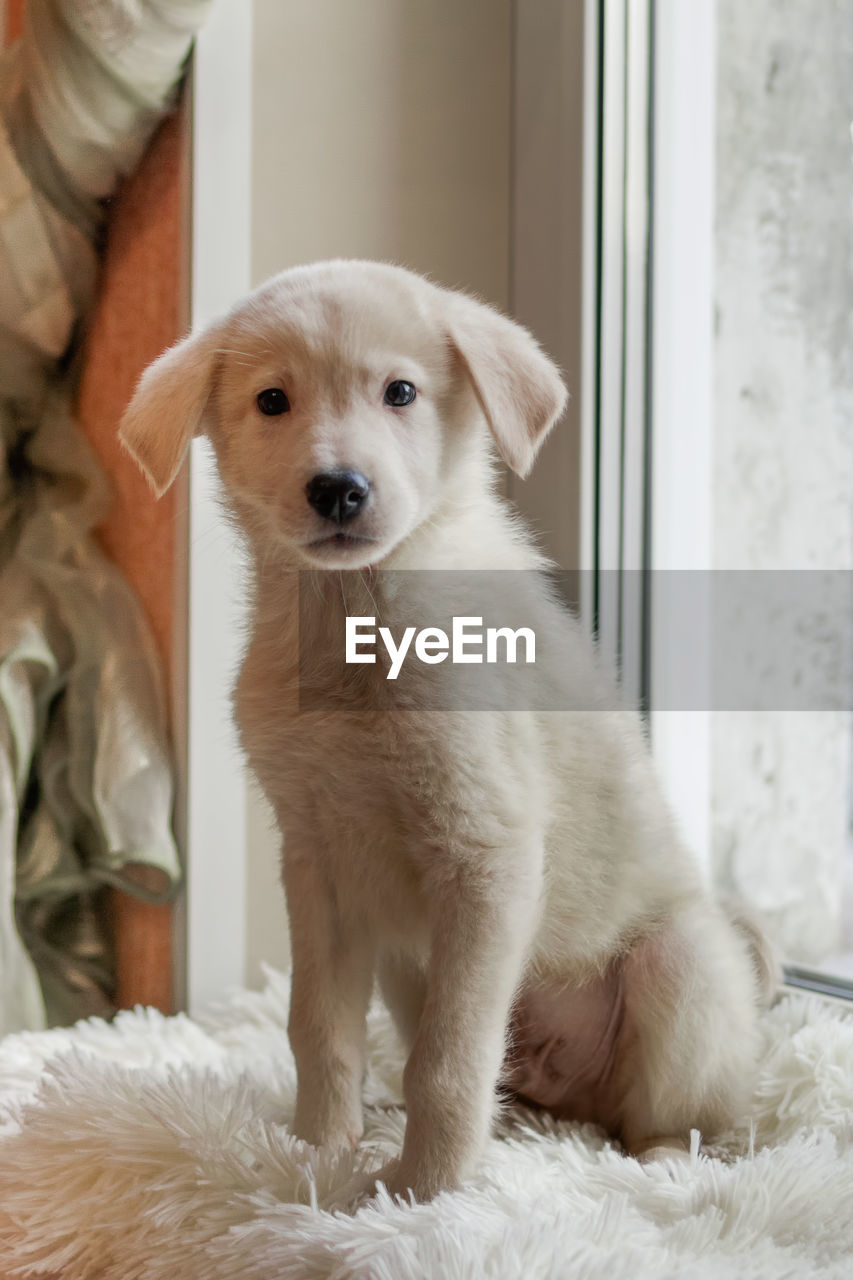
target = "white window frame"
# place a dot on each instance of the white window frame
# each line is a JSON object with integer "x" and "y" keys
{"x": 652, "y": 413}
{"x": 623, "y": 340}
{"x": 682, "y": 385}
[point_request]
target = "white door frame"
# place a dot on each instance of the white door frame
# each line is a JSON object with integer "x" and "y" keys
{"x": 215, "y": 854}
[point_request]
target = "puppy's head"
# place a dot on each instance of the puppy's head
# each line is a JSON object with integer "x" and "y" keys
{"x": 344, "y": 400}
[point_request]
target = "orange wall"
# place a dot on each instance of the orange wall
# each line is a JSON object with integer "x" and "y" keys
{"x": 141, "y": 309}
{"x": 14, "y": 19}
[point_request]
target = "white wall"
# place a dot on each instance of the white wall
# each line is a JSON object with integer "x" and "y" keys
{"x": 381, "y": 129}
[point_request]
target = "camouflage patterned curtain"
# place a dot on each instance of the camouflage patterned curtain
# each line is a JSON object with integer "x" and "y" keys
{"x": 85, "y": 779}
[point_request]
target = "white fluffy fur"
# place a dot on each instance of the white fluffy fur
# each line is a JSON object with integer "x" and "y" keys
{"x": 159, "y": 1148}
{"x": 478, "y": 862}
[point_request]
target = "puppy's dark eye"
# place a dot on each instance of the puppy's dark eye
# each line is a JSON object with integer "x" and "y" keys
{"x": 399, "y": 393}
{"x": 273, "y": 401}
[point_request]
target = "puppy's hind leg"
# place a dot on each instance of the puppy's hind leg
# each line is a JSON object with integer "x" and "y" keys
{"x": 690, "y": 1036}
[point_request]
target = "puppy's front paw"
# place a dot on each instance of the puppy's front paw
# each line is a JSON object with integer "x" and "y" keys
{"x": 422, "y": 1184}
{"x": 366, "y": 1186}
{"x": 389, "y": 1177}
{"x": 336, "y": 1128}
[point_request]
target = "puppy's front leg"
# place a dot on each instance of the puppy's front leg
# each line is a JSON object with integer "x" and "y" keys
{"x": 483, "y": 922}
{"x": 330, "y": 991}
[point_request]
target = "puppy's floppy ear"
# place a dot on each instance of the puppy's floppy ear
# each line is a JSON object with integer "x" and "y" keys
{"x": 168, "y": 408}
{"x": 519, "y": 388}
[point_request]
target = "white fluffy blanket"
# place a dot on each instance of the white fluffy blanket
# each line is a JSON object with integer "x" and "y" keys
{"x": 158, "y": 1147}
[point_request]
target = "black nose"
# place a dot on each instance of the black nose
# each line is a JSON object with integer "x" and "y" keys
{"x": 338, "y": 495}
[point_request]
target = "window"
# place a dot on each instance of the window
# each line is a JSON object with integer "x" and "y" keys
{"x": 724, "y": 462}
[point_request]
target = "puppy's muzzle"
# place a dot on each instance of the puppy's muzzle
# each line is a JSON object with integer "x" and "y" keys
{"x": 338, "y": 495}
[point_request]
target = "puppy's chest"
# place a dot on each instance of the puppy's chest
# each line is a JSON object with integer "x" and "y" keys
{"x": 323, "y": 736}
{"x": 338, "y": 767}
{"x": 388, "y": 799}
{"x": 408, "y": 781}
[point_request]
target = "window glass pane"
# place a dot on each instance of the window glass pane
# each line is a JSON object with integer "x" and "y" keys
{"x": 783, "y": 446}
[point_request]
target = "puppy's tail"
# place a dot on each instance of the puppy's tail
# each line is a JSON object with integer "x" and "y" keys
{"x": 765, "y": 962}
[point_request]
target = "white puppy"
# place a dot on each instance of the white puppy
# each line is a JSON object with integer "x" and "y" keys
{"x": 509, "y": 872}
